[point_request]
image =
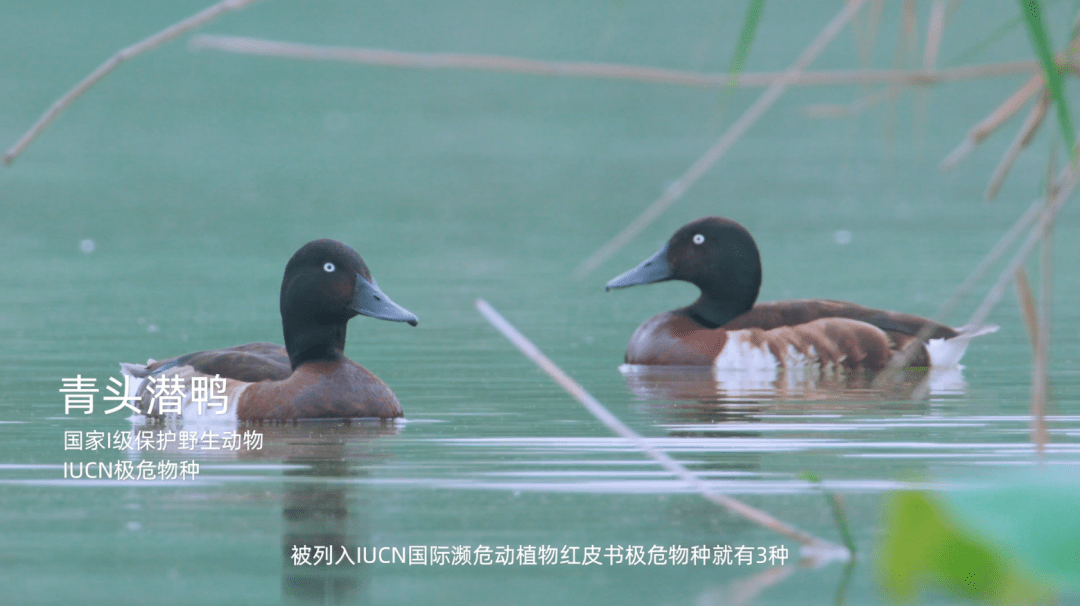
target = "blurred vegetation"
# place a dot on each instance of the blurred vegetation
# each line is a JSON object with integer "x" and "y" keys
{"x": 1014, "y": 540}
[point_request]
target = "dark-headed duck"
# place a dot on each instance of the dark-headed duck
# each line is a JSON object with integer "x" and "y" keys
{"x": 326, "y": 284}
{"x": 724, "y": 328}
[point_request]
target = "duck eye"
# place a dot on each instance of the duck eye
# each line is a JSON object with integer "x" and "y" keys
{"x": 698, "y": 238}
{"x": 329, "y": 267}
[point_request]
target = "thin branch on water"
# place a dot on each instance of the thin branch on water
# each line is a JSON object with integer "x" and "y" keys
{"x": 999, "y": 249}
{"x": 612, "y": 71}
{"x": 1066, "y": 183}
{"x": 995, "y": 119}
{"x": 1023, "y": 137}
{"x": 1059, "y": 193}
{"x": 991, "y": 257}
{"x": 598, "y": 410}
{"x": 173, "y": 31}
{"x": 676, "y": 190}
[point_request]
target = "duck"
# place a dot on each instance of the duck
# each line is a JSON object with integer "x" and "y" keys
{"x": 728, "y": 329}
{"x": 326, "y": 284}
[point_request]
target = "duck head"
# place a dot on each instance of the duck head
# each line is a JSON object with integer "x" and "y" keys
{"x": 326, "y": 284}
{"x": 713, "y": 253}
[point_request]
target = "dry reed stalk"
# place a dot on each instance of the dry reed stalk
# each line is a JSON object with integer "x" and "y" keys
{"x": 1065, "y": 184}
{"x": 864, "y": 40}
{"x": 1040, "y": 367}
{"x": 901, "y": 78}
{"x": 999, "y": 249}
{"x": 1027, "y": 307}
{"x": 935, "y": 28}
{"x": 1035, "y": 327}
{"x": 988, "y": 261}
{"x": 909, "y": 34}
{"x": 1055, "y": 200}
{"x": 612, "y": 71}
{"x": 995, "y": 119}
{"x": 613, "y": 423}
{"x": 1040, "y": 397}
{"x": 201, "y": 18}
{"x": 1023, "y": 137}
{"x": 676, "y": 190}
{"x": 865, "y": 32}
{"x": 836, "y": 110}
{"x": 1059, "y": 192}
{"x": 1011, "y": 105}
{"x": 1040, "y": 393}
{"x": 905, "y": 44}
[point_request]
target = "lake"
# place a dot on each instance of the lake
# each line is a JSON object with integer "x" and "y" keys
{"x": 155, "y": 216}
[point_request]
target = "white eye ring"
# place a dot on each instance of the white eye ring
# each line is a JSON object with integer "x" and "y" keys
{"x": 698, "y": 238}
{"x": 329, "y": 267}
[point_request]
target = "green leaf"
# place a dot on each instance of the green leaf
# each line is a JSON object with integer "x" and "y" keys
{"x": 742, "y": 49}
{"x": 1033, "y": 517}
{"x": 923, "y": 545}
{"x": 995, "y": 36}
{"x": 1044, "y": 50}
{"x": 1012, "y": 539}
{"x": 746, "y": 37}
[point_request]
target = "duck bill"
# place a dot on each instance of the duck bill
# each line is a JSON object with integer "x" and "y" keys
{"x": 654, "y": 269}
{"x": 370, "y": 300}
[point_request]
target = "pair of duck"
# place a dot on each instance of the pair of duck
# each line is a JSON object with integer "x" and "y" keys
{"x": 326, "y": 284}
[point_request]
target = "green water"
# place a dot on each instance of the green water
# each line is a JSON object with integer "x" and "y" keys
{"x": 196, "y": 175}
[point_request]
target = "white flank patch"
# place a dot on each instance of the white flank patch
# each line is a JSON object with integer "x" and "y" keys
{"x": 738, "y": 354}
{"x": 190, "y": 415}
{"x": 945, "y": 353}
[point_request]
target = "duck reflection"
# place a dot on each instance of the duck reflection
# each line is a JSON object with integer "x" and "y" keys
{"x": 319, "y": 504}
{"x": 723, "y": 393}
{"x": 316, "y": 510}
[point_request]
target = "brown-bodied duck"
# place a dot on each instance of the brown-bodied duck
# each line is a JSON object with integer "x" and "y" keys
{"x": 724, "y": 328}
{"x": 326, "y": 284}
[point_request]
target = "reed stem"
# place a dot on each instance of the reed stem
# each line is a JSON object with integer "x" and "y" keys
{"x": 170, "y": 33}
{"x": 613, "y": 423}
{"x": 611, "y": 71}
{"x": 676, "y": 190}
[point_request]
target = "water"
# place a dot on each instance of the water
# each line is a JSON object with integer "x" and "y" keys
{"x": 156, "y": 215}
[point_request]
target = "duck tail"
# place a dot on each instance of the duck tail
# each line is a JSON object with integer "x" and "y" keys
{"x": 135, "y": 371}
{"x": 945, "y": 353}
